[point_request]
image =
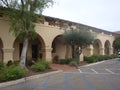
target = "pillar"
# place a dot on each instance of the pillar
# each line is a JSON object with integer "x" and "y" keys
{"x": 88, "y": 51}
{"x": 47, "y": 55}
{"x": 91, "y": 50}
{"x": 8, "y": 54}
{"x": 68, "y": 52}
{"x": 111, "y": 50}
{"x": 81, "y": 57}
{"x": 102, "y": 52}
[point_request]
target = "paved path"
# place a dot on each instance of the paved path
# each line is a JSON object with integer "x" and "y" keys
{"x": 103, "y": 76}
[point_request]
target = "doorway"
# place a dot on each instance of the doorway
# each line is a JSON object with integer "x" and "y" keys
{"x": 34, "y": 51}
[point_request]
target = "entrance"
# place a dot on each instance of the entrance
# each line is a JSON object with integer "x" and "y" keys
{"x": 34, "y": 51}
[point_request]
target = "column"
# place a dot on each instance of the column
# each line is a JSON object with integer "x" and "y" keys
{"x": 7, "y": 54}
{"x": 91, "y": 50}
{"x": 88, "y": 51}
{"x": 111, "y": 50}
{"x": 102, "y": 51}
{"x": 68, "y": 50}
{"x": 47, "y": 54}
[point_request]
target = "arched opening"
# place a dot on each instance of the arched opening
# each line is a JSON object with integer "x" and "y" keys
{"x": 58, "y": 48}
{"x": 1, "y": 50}
{"x": 96, "y": 47}
{"x": 107, "y": 48}
{"x": 35, "y": 48}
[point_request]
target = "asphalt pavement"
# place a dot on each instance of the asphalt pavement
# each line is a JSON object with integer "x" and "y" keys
{"x": 101, "y": 76}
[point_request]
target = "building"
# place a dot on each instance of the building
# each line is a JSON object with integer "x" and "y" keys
{"x": 48, "y": 43}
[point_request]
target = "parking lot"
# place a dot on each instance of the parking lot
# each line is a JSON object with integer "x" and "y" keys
{"x": 102, "y": 76}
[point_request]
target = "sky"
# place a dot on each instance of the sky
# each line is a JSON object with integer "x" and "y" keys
{"x": 102, "y": 14}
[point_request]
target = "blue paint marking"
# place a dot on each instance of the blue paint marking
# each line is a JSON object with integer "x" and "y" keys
{"x": 45, "y": 83}
{"x": 67, "y": 81}
{"x": 30, "y": 85}
{"x": 90, "y": 86}
{"x": 109, "y": 82}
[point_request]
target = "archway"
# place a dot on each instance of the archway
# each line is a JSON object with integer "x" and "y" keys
{"x": 107, "y": 47}
{"x": 97, "y": 45}
{"x": 35, "y": 48}
{"x": 1, "y": 50}
{"x": 58, "y": 48}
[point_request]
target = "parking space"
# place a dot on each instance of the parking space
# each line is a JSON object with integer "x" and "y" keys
{"x": 104, "y": 76}
{"x": 99, "y": 71}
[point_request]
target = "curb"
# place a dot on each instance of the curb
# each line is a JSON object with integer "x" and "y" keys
{"x": 93, "y": 64}
{"x": 9, "y": 83}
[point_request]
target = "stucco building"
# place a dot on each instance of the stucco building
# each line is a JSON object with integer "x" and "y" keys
{"x": 48, "y": 43}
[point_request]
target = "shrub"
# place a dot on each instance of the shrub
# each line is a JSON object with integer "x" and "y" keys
{"x": 106, "y": 57}
{"x": 56, "y": 59}
{"x": 63, "y": 61}
{"x": 9, "y": 63}
{"x": 73, "y": 63}
{"x": 38, "y": 67}
{"x": 113, "y": 56}
{"x": 91, "y": 59}
{"x": 47, "y": 64}
{"x": 100, "y": 58}
{"x": 16, "y": 62}
{"x": 29, "y": 61}
{"x": 68, "y": 60}
{"x": 103, "y": 57}
{"x": 41, "y": 65}
{"x": 11, "y": 73}
{"x": 1, "y": 65}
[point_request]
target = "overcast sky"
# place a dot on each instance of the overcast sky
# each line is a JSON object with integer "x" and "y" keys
{"x": 103, "y": 14}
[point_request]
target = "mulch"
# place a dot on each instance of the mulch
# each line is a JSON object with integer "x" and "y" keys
{"x": 54, "y": 67}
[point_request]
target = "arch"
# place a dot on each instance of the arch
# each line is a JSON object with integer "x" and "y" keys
{"x": 107, "y": 46}
{"x": 35, "y": 48}
{"x": 97, "y": 45}
{"x": 1, "y": 50}
{"x": 58, "y": 47}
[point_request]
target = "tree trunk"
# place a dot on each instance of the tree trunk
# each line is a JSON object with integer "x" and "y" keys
{"x": 78, "y": 52}
{"x": 24, "y": 52}
{"x": 73, "y": 51}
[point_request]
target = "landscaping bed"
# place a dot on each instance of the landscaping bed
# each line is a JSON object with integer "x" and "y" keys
{"x": 13, "y": 71}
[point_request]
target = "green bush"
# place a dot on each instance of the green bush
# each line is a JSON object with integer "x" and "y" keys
{"x": 91, "y": 59}
{"x": 41, "y": 65}
{"x": 47, "y": 64}
{"x": 1, "y": 65}
{"x": 100, "y": 58}
{"x": 113, "y": 56}
{"x": 38, "y": 67}
{"x": 56, "y": 59}
{"x": 73, "y": 63}
{"x": 63, "y": 61}
{"x": 29, "y": 61}
{"x": 103, "y": 57}
{"x": 11, "y": 73}
{"x": 68, "y": 61}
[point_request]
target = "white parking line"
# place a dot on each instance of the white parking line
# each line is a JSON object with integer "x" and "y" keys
{"x": 110, "y": 71}
{"x": 80, "y": 71}
{"x": 94, "y": 71}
